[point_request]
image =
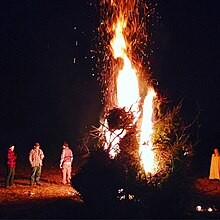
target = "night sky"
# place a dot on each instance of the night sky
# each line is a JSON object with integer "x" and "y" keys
{"x": 48, "y": 87}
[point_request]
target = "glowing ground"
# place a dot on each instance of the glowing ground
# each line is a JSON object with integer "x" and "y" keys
{"x": 50, "y": 200}
{"x": 54, "y": 200}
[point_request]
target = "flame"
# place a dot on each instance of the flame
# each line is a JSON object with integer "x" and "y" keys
{"x": 127, "y": 88}
{"x": 118, "y": 41}
{"x": 127, "y": 81}
{"x": 127, "y": 85}
{"x": 145, "y": 150}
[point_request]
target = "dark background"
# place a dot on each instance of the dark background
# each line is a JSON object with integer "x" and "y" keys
{"x": 48, "y": 87}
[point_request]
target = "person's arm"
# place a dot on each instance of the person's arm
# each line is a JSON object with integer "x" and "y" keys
{"x": 13, "y": 156}
{"x": 71, "y": 156}
{"x": 41, "y": 155}
{"x": 9, "y": 158}
{"x": 31, "y": 157}
{"x": 62, "y": 158}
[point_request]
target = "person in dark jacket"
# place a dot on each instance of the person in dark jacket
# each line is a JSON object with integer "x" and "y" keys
{"x": 11, "y": 164}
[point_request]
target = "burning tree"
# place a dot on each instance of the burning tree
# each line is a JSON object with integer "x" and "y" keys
{"x": 145, "y": 139}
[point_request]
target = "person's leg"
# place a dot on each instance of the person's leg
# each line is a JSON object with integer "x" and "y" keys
{"x": 69, "y": 173}
{"x": 33, "y": 173}
{"x": 38, "y": 173}
{"x": 8, "y": 177}
{"x": 64, "y": 171}
{"x": 12, "y": 176}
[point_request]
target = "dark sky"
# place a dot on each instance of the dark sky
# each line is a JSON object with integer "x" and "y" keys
{"x": 188, "y": 59}
{"x": 46, "y": 95}
{"x": 47, "y": 89}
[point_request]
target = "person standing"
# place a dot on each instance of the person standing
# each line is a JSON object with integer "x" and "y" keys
{"x": 36, "y": 156}
{"x": 215, "y": 165}
{"x": 11, "y": 164}
{"x": 66, "y": 163}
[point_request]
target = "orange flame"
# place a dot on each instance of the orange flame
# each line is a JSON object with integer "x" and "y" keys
{"x": 127, "y": 87}
{"x": 145, "y": 150}
{"x": 127, "y": 82}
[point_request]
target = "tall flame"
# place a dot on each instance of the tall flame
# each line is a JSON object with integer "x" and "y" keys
{"x": 145, "y": 150}
{"x": 127, "y": 82}
{"x": 127, "y": 88}
{"x": 127, "y": 85}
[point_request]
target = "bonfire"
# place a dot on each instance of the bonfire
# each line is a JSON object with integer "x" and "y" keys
{"x": 142, "y": 141}
{"x": 137, "y": 121}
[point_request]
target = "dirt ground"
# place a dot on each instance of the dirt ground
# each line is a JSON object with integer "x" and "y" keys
{"x": 54, "y": 200}
{"x": 208, "y": 188}
{"x": 50, "y": 200}
{"x": 206, "y": 198}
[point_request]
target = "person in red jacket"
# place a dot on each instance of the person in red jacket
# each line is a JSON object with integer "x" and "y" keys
{"x": 11, "y": 164}
{"x": 66, "y": 163}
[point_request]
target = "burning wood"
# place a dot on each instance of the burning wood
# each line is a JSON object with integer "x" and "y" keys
{"x": 141, "y": 141}
{"x": 136, "y": 124}
{"x": 124, "y": 90}
{"x": 119, "y": 118}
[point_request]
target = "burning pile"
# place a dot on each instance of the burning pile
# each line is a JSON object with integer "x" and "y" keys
{"x": 134, "y": 122}
{"x": 140, "y": 139}
{"x": 125, "y": 108}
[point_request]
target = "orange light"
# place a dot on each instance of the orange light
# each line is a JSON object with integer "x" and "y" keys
{"x": 127, "y": 84}
{"x": 127, "y": 81}
{"x": 145, "y": 150}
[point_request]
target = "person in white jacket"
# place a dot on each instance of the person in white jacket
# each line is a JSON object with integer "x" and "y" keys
{"x": 66, "y": 163}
